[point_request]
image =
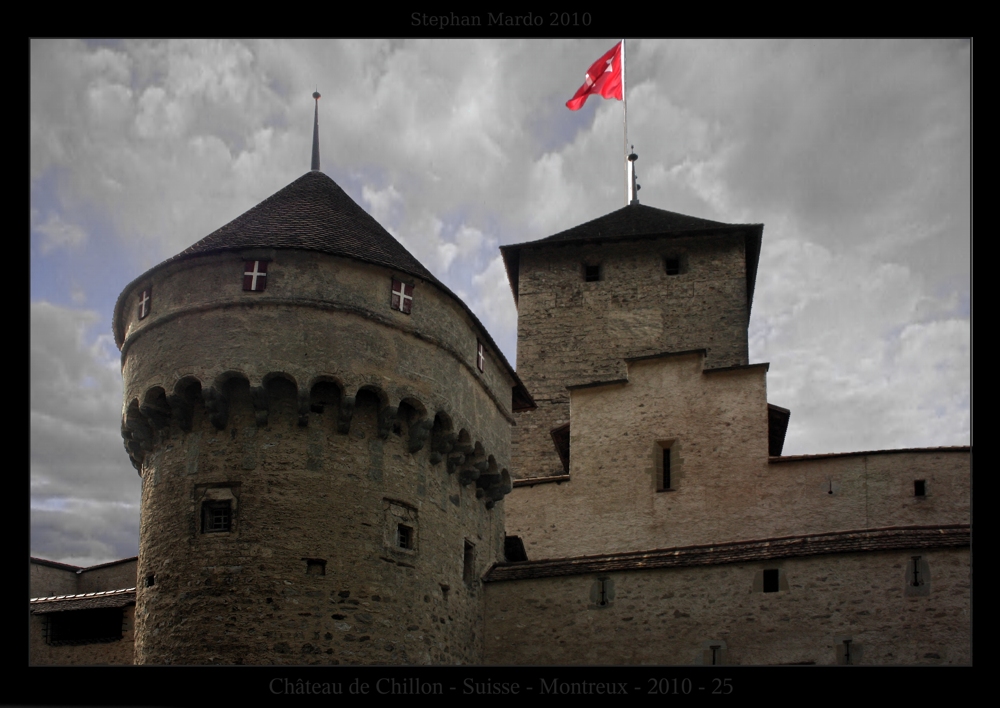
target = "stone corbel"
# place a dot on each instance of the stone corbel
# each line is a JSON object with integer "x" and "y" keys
{"x": 344, "y": 414}
{"x": 419, "y": 432}
{"x": 133, "y": 448}
{"x": 468, "y": 474}
{"x": 182, "y": 411}
{"x": 386, "y": 417}
{"x": 455, "y": 460}
{"x": 261, "y": 405}
{"x": 441, "y": 446}
{"x": 303, "y": 409}
{"x": 158, "y": 416}
{"x": 139, "y": 429}
{"x": 217, "y": 406}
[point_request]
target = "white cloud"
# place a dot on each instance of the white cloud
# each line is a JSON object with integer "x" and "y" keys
{"x": 57, "y": 233}
{"x": 78, "y": 465}
{"x": 493, "y": 302}
{"x": 858, "y": 352}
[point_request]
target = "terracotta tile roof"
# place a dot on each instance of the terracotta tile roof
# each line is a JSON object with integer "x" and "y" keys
{"x": 883, "y": 539}
{"x": 638, "y": 221}
{"x": 85, "y": 601}
{"x": 793, "y": 458}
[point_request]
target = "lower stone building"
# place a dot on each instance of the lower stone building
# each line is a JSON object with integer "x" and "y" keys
{"x": 81, "y": 615}
{"x": 682, "y": 536}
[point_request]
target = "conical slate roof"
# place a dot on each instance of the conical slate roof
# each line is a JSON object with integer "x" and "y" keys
{"x": 314, "y": 214}
{"x": 638, "y": 221}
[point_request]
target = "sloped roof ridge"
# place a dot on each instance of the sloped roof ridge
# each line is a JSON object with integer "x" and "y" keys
{"x": 634, "y": 220}
{"x": 81, "y": 595}
{"x": 312, "y": 213}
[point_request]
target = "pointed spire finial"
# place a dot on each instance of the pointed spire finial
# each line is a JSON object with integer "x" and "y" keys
{"x": 315, "y": 160}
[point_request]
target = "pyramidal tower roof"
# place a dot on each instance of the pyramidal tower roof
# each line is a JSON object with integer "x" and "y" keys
{"x": 638, "y": 222}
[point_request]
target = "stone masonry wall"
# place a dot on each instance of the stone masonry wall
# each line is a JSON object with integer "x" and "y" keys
{"x": 108, "y": 577}
{"x": 317, "y": 315}
{"x": 311, "y": 414}
{"x": 670, "y": 616}
{"x": 311, "y": 572}
{"x": 723, "y": 487}
{"x": 47, "y": 581}
{"x": 118, "y": 652}
{"x": 572, "y": 332}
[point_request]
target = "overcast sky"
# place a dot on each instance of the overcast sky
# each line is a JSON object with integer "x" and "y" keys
{"x": 855, "y": 155}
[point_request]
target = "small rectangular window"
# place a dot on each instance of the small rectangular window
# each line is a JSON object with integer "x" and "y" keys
{"x": 918, "y": 577}
{"x": 255, "y": 276}
{"x": 401, "y": 532}
{"x": 602, "y": 592}
{"x": 469, "y": 563}
{"x": 145, "y": 302}
{"x": 84, "y": 626}
{"x": 404, "y": 536}
{"x": 216, "y": 516}
{"x": 771, "y": 580}
{"x": 673, "y": 266}
{"x": 664, "y": 467}
{"x": 315, "y": 566}
{"x": 402, "y": 297}
{"x": 919, "y": 488}
{"x": 849, "y": 652}
{"x": 713, "y": 653}
{"x": 591, "y": 273}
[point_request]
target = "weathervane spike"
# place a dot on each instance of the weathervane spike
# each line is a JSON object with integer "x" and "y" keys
{"x": 633, "y": 194}
{"x": 315, "y": 155}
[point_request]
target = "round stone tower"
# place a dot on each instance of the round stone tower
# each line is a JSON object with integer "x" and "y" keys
{"x": 322, "y": 429}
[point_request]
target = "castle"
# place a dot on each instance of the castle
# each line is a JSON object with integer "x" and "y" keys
{"x": 339, "y": 466}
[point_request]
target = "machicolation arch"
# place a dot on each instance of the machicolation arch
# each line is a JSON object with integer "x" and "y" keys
{"x": 232, "y": 399}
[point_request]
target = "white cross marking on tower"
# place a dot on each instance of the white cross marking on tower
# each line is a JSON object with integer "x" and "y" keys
{"x": 403, "y": 297}
{"x": 143, "y": 302}
{"x": 254, "y": 274}
{"x": 480, "y": 359}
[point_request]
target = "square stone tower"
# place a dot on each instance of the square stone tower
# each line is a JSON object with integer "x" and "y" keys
{"x": 632, "y": 283}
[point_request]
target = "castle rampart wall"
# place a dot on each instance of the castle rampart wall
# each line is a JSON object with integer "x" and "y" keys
{"x": 723, "y": 485}
{"x": 45, "y": 580}
{"x": 108, "y": 576}
{"x": 674, "y": 615}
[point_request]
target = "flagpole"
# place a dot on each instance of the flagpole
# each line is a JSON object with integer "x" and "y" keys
{"x": 625, "y": 124}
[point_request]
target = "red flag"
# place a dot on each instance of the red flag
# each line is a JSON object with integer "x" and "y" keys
{"x": 604, "y": 78}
